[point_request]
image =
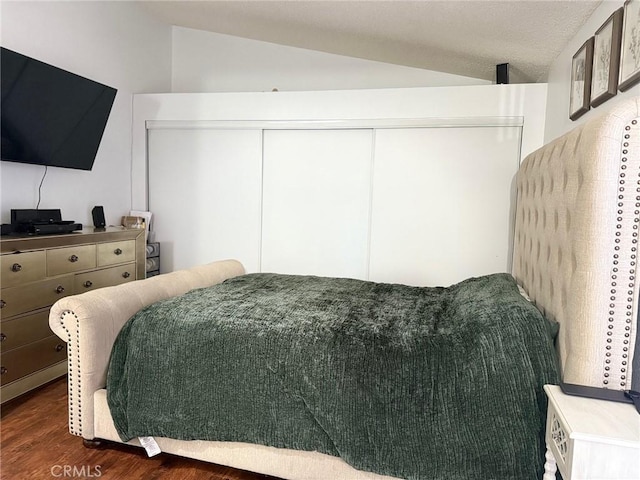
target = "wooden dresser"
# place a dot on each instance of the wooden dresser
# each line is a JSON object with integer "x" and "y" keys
{"x": 38, "y": 270}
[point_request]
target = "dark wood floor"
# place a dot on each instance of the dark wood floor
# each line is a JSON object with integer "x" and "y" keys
{"x": 36, "y": 444}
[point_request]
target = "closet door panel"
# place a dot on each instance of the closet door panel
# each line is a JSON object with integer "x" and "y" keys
{"x": 316, "y": 202}
{"x": 442, "y": 203}
{"x": 204, "y": 193}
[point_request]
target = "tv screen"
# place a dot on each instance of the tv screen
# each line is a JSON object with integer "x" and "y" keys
{"x": 50, "y": 116}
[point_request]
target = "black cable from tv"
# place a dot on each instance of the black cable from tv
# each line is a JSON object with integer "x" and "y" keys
{"x": 46, "y": 167}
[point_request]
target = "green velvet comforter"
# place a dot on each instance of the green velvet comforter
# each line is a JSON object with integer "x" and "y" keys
{"x": 417, "y": 383}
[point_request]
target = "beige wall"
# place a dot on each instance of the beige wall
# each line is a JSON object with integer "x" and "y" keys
{"x": 557, "y": 120}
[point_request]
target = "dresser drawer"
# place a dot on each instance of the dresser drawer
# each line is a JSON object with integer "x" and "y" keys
{"x": 70, "y": 259}
{"x": 30, "y": 358}
{"x": 26, "y": 298}
{"x": 19, "y": 268}
{"x": 105, "y": 277}
{"x": 25, "y": 329}
{"x": 113, "y": 253}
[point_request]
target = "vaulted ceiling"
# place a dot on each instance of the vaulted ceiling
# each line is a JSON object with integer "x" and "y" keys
{"x": 464, "y": 37}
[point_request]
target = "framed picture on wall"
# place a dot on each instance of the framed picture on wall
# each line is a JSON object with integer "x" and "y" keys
{"x": 630, "y": 55}
{"x": 606, "y": 59}
{"x": 581, "y": 80}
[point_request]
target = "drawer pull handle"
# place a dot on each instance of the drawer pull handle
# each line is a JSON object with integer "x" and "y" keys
{"x": 126, "y": 274}
{"x": 59, "y": 289}
{"x": 3, "y": 370}
{"x": 16, "y": 267}
{"x": 117, "y": 251}
{"x": 2, "y": 303}
{"x": 73, "y": 258}
{"x": 3, "y": 337}
{"x": 59, "y": 347}
{"x": 88, "y": 283}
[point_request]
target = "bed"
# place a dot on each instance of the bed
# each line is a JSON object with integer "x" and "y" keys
{"x": 573, "y": 283}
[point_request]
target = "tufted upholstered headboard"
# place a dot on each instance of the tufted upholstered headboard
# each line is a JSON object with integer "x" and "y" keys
{"x": 576, "y": 241}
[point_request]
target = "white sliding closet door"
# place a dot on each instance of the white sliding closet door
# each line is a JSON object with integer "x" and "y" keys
{"x": 316, "y": 202}
{"x": 204, "y": 193}
{"x": 442, "y": 203}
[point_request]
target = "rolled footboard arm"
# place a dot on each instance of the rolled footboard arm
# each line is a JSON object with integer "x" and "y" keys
{"x": 90, "y": 322}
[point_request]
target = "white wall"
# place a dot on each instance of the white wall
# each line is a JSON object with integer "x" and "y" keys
{"x": 558, "y": 122}
{"x": 211, "y": 62}
{"x": 115, "y": 43}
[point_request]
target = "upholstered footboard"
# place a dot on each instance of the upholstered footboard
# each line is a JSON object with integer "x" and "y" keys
{"x": 90, "y": 322}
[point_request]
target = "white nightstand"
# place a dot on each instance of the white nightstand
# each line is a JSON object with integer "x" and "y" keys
{"x": 591, "y": 439}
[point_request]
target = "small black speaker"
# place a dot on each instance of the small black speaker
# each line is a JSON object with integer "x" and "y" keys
{"x": 502, "y": 73}
{"x": 98, "y": 217}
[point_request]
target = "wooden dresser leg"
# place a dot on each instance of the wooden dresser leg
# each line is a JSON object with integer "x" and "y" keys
{"x": 91, "y": 443}
{"x": 550, "y": 466}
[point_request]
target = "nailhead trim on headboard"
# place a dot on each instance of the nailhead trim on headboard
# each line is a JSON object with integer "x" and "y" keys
{"x": 576, "y": 239}
{"x": 617, "y": 374}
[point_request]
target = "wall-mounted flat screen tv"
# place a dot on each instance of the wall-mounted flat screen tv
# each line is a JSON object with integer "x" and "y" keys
{"x": 50, "y": 116}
